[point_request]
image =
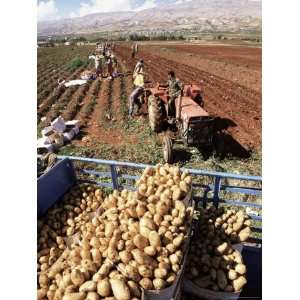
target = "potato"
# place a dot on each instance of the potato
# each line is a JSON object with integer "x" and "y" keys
{"x": 50, "y": 295}
{"x": 132, "y": 272}
{"x": 140, "y": 257}
{"x": 88, "y": 286}
{"x": 165, "y": 264}
{"x": 247, "y": 223}
{"x": 221, "y": 249}
{"x": 134, "y": 289}
{"x": 112, "y": 254}
{"x": 244, "y": 234}
{"x": 145, "y": 231}
{"x": 71, "y": 289}
{"x": 121, "y": 245}
{"x": 103, "y": 287}
{"x": 175, "y": 268}
{"x": 74, "y": 296}
{"x": 238, "y": 257}
{"x": 241, "y": 269}
{"x": 41, "y": 294}
{"x": 161, "y": 208}
{"x": 77, "y": 277}
{"x": 92, "y": 296}
{"x": 147, "y": 222}
{"x": 171, "y": 278}
{"x": 239, "y": 283}
{"x": 125, "y": 256}
{"x": 171, "y": 248}
{"x": 221, "y": 279}
{"x": 158, "y": 284}
{"x": 43, "y": 280}
{"x": 140, "y": 241}
{"x": 66, "y": 281}
{"x": 96, "y": 256}
{"x": 160, "y": 273}
{"x": 145, "y": 271}
{"x": 120, "y": 289}
{"x": 178, "y": 240}
{"x": 154, "y": 239}
{"x": 109, "y": 230}
{"x": 177, "y": 194}
{"x": 174, "y": 259}
{"x": 146, "y": 284}
{"x": 105, "y": 268}
{"x": 232, "y": 274}
{"x": 85, "y": 254}
{"x": 150, "y": 250}
{"x": 162, "y": 230}
{"x": 141, "y": 209}
{"x": 237, "y": 226}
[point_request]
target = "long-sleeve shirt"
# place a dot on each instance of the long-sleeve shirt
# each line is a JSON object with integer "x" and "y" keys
{"x": 139, "y": 67}
{"x": 175, "y": 87}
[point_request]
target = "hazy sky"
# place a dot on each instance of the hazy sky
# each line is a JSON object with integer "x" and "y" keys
{"x": 56, "y": 9}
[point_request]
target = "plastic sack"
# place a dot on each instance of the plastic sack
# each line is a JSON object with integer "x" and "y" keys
{"x": 191, "y": 288}
{"x": 59, "y": 125}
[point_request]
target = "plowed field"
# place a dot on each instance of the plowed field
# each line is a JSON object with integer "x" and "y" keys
{"x": 230, "y": 77}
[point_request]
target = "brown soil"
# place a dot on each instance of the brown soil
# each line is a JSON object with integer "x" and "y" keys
{"x": 103, "y": 127}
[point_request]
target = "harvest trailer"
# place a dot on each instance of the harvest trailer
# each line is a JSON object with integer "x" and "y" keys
{"x": 121, "y": 175}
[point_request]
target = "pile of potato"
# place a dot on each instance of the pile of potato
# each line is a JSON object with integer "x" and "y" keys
{"x": 63, "y": 220}
{"x": 228, "y": 225}
{"x": 213, "y": 263}
{"x": 136, "y": 240}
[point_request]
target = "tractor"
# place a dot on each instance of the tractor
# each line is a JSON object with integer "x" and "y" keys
{"x": 193, "y": 125}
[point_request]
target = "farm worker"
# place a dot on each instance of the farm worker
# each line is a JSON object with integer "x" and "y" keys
{"x": 114, "y": 64}
{"x": 139, "y": 68}
{"x": 133, "y": 51}
{"x": 97, "y": 64}
{"x": 109, "y": 63}
{"x": 139, "y": 80}
{"x": 136, "y": 48}
{"x": 134, "y": 99}
{"x": 175, "y": 90}
{"x": 102, "y": 63}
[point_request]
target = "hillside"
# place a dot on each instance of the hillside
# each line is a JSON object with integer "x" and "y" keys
{"x": 202, "y": 15}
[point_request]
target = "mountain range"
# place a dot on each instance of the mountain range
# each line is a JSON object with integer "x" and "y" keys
{"x": 200, "y": 15}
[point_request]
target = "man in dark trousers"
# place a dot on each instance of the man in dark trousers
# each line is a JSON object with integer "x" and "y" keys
{"x": 134, "y": 99}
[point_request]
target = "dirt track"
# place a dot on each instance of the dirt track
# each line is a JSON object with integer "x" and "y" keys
{"x": 232, "y": 89}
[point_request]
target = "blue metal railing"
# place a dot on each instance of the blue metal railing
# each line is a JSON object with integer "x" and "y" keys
{"x": 215, "y": 189}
